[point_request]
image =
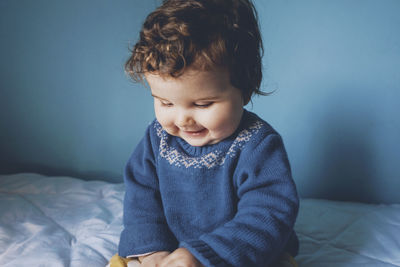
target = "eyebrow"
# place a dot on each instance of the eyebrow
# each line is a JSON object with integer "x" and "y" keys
{"x": 201, "y": 99}
{"x": 159, "y": 97}
{"x": 155, "y": 96}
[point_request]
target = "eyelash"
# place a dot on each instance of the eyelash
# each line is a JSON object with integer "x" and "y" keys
{"x": 203, "y": 105}
{"x": 196, "y": 105}
{"x": 167, "y": 104}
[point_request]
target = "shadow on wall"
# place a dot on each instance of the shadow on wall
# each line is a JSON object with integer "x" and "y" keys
{"x": 345, "y": 166}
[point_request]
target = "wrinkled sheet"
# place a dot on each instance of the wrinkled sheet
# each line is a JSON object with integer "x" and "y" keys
{"x": 344, "y": 234}
{"x": 63, "y": 221}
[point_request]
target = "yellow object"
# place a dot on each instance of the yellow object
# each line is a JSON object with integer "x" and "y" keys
{"x": 117, "y": 261}
{"x": 292, "y": 261}
{"x": 288, "y": 259}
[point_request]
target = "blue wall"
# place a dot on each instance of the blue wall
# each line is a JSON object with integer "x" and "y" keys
{"x": 66, "y": 107}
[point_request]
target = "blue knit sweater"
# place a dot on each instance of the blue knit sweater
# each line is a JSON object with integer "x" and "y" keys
{"x": 233, "y": 203}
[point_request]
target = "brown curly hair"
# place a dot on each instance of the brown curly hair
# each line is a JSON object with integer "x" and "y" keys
{"x": 201, "y": 34}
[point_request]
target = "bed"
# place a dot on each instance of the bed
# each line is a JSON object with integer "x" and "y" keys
{"x": 64, "y": 221}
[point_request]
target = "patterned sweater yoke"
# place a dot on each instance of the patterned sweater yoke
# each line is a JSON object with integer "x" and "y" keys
{"x": 210, "y": 159}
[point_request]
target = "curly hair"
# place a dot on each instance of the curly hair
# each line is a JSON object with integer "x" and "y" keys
{"x": 202, "y": 34}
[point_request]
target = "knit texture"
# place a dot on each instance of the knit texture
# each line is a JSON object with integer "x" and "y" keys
{"x": 233, "y": 203}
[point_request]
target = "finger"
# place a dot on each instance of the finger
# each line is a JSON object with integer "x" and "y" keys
{"x": 172, "y": 262}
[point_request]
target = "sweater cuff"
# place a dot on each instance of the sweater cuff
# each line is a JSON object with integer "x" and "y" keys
{"x": 140, "y": 241}
{"x": 203, "y": 253}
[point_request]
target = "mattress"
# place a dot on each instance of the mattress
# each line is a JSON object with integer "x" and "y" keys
{"x": 64, "y": 221}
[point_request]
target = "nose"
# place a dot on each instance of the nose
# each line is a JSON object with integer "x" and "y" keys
{"x": 184, "y": 119}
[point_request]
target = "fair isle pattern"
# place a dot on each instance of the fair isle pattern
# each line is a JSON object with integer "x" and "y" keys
{"x": 210, "y": 160}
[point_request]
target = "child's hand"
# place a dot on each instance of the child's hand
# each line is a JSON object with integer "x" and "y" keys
{"x": 154, "y": 259}
{"x": 182, "y": 258}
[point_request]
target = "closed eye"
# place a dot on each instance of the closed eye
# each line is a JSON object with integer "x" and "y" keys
{"x": 203, "y": 105}
{"x": 166, "y": 104}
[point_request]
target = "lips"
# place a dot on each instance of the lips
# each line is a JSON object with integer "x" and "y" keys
{"x": 195, "y": 133}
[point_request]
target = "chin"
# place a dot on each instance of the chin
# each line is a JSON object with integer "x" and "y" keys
{"x": 200, "y": 143}
{"x": 196, "y": 143}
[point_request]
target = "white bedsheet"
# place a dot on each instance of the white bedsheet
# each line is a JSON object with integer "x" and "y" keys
{"x": 62, "y": 221}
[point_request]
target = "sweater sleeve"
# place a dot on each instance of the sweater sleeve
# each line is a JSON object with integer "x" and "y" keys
{"x": 145, "y": 227}
{"x": 266, "y": 211}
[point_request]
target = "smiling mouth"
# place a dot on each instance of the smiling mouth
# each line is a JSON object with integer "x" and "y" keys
{"x": 195, "y": 133}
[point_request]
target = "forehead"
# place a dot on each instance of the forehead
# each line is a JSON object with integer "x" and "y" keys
{"x": 191, "y": 81}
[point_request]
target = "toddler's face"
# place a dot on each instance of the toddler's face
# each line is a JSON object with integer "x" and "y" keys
{"x": 201, "y": 107}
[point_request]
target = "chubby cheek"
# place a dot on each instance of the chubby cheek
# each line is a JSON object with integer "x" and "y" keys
{"x": 225, "y": 127}
{"x": 165, "y": 119}
{"x": 225, "y": 121}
